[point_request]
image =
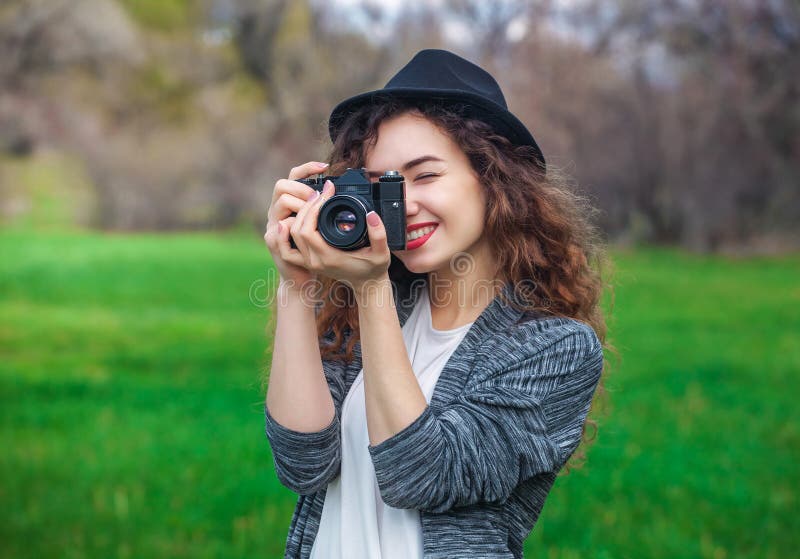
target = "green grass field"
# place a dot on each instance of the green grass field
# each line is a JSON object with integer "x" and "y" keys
{"x": 132, "y": 411}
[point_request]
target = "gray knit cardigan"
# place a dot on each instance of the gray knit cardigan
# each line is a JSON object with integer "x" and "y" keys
{"x": 478, "y": 463}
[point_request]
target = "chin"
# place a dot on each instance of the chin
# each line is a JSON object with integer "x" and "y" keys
{"x": 417, "y": 265}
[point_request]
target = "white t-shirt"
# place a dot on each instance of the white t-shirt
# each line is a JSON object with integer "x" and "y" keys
{"x": 355, "y": 522}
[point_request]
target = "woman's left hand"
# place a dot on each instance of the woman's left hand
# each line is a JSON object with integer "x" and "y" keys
{"x": 313, "y": 253}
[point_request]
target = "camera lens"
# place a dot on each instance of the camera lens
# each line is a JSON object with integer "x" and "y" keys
{"x": 342, "y": 221}
{"x": 345, "y": 221}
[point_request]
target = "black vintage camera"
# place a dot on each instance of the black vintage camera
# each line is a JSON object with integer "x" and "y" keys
{"x": 342, "y": 220}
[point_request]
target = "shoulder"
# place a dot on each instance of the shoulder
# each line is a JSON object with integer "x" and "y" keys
{"x": 561, "y": 342}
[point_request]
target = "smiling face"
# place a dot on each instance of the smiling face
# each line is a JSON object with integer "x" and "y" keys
{"x": 443, "y": 194}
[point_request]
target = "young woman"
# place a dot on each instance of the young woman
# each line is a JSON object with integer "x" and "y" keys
{"x": 422, "y": 404}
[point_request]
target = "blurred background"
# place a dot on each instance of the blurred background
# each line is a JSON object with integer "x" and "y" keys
{"x": 139, "y": 144}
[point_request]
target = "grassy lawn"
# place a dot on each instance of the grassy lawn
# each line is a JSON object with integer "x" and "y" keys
{"x": 132, "y": 414}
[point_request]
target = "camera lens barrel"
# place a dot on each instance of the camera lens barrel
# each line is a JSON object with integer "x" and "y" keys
{"x": 342, "y": 221}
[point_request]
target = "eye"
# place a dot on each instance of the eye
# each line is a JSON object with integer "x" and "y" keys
{"x": 424, "y": 176}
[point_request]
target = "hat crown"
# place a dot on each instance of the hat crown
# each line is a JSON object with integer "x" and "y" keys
{"x": 441, "y": 70}
{"x": 435, "y": 75}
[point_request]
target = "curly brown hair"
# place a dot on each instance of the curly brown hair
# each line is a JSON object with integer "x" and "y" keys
{"x": 539, "y": 227}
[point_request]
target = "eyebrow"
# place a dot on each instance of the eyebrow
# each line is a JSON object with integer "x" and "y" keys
{"x": 410, "y": 164}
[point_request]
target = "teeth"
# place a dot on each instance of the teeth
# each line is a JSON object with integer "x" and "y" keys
{"x": 419, "y": 233}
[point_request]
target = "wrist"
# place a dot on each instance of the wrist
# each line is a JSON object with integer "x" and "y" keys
{"x": 291, "y": 293}
{"x": 371, "y": 292}
{"x": 288, "y": 286}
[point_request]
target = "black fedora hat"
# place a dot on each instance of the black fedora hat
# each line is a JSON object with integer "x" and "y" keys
{"x": 440, "y": 75}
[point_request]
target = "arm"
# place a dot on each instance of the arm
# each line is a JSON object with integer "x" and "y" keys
{"x": 519, "y": 417}
{"x": 301, "y": 415}
{"x": 391, "y": 389}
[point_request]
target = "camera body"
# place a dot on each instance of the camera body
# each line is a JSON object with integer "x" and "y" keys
{"x": 342, "y": 219}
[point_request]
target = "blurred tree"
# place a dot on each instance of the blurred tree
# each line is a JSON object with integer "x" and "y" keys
{"x": 680, "y": 118}
{"x": 39, "y": 37}
{"x": 726, "y": 133}
{"x": 39, "y": 40}
{"x": 258, "y": 23}
{"x": 169, "y": 16}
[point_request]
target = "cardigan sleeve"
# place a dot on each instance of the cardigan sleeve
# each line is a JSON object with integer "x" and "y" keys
{"x": 519, "y": 417}
{"x": 306, "y": 462}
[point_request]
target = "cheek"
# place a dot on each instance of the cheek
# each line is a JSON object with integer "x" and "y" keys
{"x": 477, "y": 204}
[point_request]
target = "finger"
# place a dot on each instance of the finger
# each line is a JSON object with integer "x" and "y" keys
{"x": 295, "y": 228}
{"x": 292, "y": 188}
{"x": 285, "y": 206}
{"x": 306, "y": 170}
{"x": 308, "y": 228}
{"x": 271, "y": 235}
{"x": 288, "y": 254}
{"x": 379, "y": 247}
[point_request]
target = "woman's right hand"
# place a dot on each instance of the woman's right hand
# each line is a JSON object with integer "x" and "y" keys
{"x": 287, "y": 198}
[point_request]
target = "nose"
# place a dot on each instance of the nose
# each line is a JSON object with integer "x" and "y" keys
{"x": 412, "y": 205}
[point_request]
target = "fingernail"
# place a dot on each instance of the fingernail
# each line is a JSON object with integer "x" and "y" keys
{"x": 373, "y": 219}
{"x": 313, "y": 196}
{"x": 321, "y": 164}
{"x": 329, "y": 186}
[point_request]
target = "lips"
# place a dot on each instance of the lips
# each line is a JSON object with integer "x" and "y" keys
{"x": 419, "y": 241}
{"x": 415, "y": 226}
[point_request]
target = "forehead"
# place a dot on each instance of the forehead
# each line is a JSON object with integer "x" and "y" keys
{"x": 407, "y": 137}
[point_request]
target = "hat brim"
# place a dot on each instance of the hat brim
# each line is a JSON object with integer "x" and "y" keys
{"x": 500, "y": 118}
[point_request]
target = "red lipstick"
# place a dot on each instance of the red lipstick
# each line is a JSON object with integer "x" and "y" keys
{"x": 418, "y": 242}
